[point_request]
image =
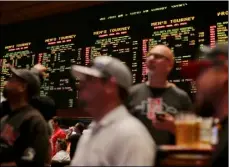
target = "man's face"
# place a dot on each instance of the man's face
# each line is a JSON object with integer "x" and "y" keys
{"x": 160, "y": 61}
{"x": 210, "y": 87}
{"x": 54, "y": 124}
{"x": 91, "y": 91}
{"x": 14, "y": 88}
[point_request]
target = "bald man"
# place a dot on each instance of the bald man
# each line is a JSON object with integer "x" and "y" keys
{"x": 151, "y": 100}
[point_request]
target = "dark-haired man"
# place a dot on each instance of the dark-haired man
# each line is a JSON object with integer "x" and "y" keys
{"x": 74, "y": 136}
{"x": 24, "y": 135}
{"x": 58, "y": 133}
{"x": 44, "y": 104}
{"x": 62, "y": 155}
{"x": 115, "y": 138}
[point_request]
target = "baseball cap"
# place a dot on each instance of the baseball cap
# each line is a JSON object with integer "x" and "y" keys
{"x": 209, "y": 57}
{"x": 106, "y": 66}
{"x": 31, "y": 79}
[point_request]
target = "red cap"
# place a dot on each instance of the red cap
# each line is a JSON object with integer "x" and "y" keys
{"x": 194, "y": 67}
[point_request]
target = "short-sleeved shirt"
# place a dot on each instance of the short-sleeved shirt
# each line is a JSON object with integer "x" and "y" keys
{"x": 57, "y": 134}
{"x": 24, "y": 138}
{"x": 174, "y": 100}
{"x": 117, "y": 139}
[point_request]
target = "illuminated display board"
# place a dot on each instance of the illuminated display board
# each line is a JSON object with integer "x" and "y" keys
{"x": 61, "y": 54}
{"x": 117, "y": 42}
{"x": 18, "y": 55}
{"x": 122, "y": 30}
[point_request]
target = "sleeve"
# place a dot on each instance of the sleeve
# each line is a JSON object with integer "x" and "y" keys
{"x": 69, "y": 137}
{"x": 56, "y": 157}
{"x": 186, "y": 102}
{"x": 136, "y": 153}
{"x": 37, "y": 151}
{"x": 129, "y": 102}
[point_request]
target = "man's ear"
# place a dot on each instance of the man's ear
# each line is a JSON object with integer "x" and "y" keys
{"x": 23, "y": 88}
{"x": 109, "y": 86}
{"x": 171, "y": 65}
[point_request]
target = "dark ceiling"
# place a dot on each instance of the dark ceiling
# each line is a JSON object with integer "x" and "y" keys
{"x": 15, "y": 11}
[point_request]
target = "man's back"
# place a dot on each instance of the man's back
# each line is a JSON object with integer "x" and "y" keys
{"x": 118, "y": 139}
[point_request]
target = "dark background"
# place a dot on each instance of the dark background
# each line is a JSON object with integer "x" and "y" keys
{"x": 85, "y": 21}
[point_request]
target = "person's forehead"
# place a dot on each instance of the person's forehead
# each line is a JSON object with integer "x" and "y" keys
{"x": 162, "y": 50}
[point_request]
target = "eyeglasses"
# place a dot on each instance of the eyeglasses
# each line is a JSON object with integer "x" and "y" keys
{"x": 157, "y": 56}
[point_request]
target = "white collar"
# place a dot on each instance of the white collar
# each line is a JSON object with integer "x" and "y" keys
{"x": 117, "y": 113}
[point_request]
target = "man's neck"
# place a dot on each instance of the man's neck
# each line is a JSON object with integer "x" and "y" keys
{"x": 18, "y": 104}
{"x": 155, "y": 82}
{"x": 106, "y": 109}
{"x": 56, "y": 128}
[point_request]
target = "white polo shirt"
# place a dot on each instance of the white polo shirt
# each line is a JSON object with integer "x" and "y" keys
{"x": 118, "y": 139}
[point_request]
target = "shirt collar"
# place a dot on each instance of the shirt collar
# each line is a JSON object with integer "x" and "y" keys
{"x": 116, "y": 114}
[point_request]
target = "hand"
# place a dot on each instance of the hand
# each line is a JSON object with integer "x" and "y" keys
{"x": 9, "y": 66}
{"x": 165, "y": 122}
{"x": 71, "y": 129}
{"x": 40, "y": 68}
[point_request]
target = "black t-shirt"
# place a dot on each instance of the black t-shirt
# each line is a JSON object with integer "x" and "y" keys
{"x": 4, "y": 108}
{"x": 24, "y": 138}
{"x": 73, "y": 139}
{"x": 174, "y": 100}
{"x": 45, "y": 105}
{"x": 220, "y": 155}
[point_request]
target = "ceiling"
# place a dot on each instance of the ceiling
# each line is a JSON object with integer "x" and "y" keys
{"x": 15, "y": 11}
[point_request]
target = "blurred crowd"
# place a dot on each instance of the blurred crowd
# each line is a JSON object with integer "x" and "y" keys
{"x": 129, "y": 121}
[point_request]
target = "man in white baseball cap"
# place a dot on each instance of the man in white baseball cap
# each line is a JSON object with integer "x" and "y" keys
{"x": 114, "y": 137}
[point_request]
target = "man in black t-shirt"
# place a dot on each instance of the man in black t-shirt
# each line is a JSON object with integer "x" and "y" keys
{"x": 24, "y": 136}
{"x": 157, "y": 95}
{"x": 44, "y": 104}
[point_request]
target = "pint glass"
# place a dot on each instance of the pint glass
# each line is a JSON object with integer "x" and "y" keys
{"x": 187, "y": 130}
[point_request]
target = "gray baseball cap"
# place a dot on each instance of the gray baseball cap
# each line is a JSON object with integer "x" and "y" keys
{"x": 31, "y": 79}
{"x": 104, "y": 66}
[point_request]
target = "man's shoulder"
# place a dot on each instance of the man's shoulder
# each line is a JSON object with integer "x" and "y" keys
{"x": 137, "y": 87}
{"x": 178, "y": 91}
{"x": 46, "y": 100}
{"x": 33, "y": 113}
{"x": 61, "y": 133}
{"x": 132, "y": 127}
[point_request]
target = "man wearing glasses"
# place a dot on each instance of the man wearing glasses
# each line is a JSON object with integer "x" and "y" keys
{"x": 149, "y": 101}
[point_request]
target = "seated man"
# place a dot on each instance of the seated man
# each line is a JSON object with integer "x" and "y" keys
{"x": 62, "y": 155}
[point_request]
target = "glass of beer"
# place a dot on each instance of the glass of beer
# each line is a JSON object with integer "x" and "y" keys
{"x": 187, "y": 130}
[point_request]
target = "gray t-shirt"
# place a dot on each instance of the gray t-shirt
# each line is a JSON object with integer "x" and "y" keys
{"x": 174, "y": 100}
